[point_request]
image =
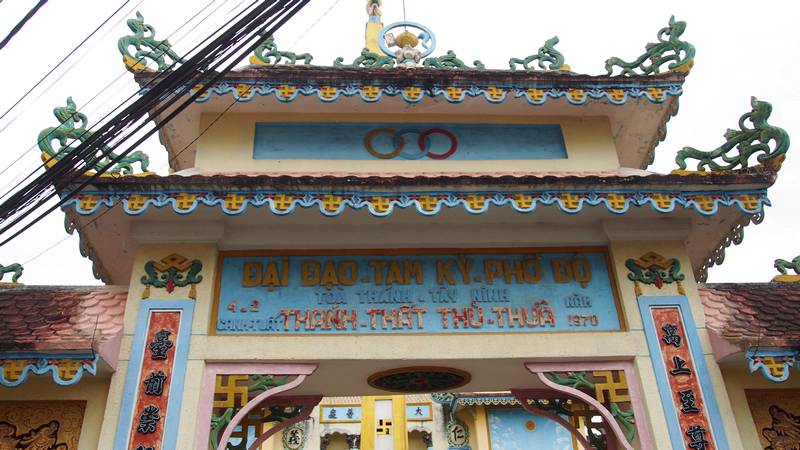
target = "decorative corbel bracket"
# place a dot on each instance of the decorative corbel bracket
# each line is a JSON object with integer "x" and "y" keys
{"x": 773, "y": 364}
{"x": 654, "y": 269}
{"x": 66, "y": 370}
{"x": 172, "y": 271}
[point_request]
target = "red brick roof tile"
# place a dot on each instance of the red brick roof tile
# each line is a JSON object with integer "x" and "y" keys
{"x": 58, "y": 318}
{"x": 765, "y": 314}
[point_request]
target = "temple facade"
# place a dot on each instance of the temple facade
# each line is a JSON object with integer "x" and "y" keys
{"x": 404, "y": 251}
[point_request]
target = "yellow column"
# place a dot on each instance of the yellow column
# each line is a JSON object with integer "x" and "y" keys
{"x": 398, "y": 422}
{"x": 373, "y": 27}
{"x": 481, "y": 429}
{"x": 367, "y": 423}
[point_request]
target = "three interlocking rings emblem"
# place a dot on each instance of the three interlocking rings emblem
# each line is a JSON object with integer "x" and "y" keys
{"x": 398, "y": 140}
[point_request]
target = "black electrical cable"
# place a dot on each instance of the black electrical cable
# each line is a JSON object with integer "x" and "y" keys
{"x": 159, "y": 75}
{"x": 47, "y": 89}
{"x": 62, "y": 60}
{"x": 22, "y": 23}
{"x": 109, "y": 84}
{"x": 74, "y": 164}
{"x": 148, "y": 85}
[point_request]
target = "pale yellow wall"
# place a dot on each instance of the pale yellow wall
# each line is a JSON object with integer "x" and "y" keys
{"x": 737, "y": 380}
{"x": 92, "y": 390}
{"x": 194, "y": 373}
{"x": 228, "y": 145}
{"x": 458, "y": 349}
{"x": 620, "y": 252}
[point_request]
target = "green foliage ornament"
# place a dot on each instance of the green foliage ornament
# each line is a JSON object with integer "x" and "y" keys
{"x": 450, "y": 61}
{"x": 366, "y": 59}
{"x": 268, "y": 54}
{"x": 575, "y": 380}
{"x": 669, "y": 49}
{"x": 14, "y": 269}
{"x": 73, "y": 128}
{"x": 740, "y": 145}
{"x": 783, "y": 265}
{"x": 147, "y": 47}
{"x": 546, "y": 58}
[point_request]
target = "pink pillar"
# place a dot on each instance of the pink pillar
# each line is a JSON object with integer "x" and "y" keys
{"x": 205, "y": 406}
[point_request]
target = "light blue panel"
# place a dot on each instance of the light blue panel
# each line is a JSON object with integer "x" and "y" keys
{"x": 507, "y": 431}
{"x": 324, "y": 140}
{"x": 418, "y": 412}
{"x": 676, "y": 434}
{"x": 341, "y": 414}
{"x": 364, "y": 285}
{"x": 132, "y": 386}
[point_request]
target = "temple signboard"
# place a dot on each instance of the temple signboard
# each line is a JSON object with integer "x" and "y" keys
{"x": 415, "y": 292}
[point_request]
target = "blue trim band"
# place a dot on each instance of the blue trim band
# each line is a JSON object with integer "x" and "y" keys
{"x": 571, "y": 202}
{"x": 40, "y": 364}
{"x": 696, "y": 350}
{"x": 534, "y": 94}
{"x": 129, "y": 396}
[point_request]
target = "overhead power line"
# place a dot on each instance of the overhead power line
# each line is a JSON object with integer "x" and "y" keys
{"x": 17, "y": 181}
{"x": 60, "y": 62}
{"x": 231, "y": 46}
{"x": 22, "y": 23}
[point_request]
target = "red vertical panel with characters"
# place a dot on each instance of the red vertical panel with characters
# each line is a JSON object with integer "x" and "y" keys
{"x": 155, "y": 379}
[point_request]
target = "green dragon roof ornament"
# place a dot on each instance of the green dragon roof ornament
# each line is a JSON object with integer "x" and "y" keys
{"x": 267, "y": 54}
{"x": 747, "y": 142}
{"x": 547, "y": 54}
{"x": 450, "y": 61}
{"x": 147, "y": 47}
{"x": 14, "y": 269}
{"x": 679, "y": 54}
{"x": 783, "y": 265}
{"x": 73, "y": 128}
{"x": 367, "y": 59}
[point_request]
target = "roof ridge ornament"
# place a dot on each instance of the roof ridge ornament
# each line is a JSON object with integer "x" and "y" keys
{"x": 367, "y": 59}
{"x": 450, "y": 61}
{"x": 267, "y": 54}
{"x": 547, "y": 54}
{"x": 783, "y": 266}
{"x": 73, "y": 128}
{"x": 15, "y": 269}
{"x": 679, "y": 54}
{"x": 407, "y": 53}
{"x": 747, "y": 140}
{"x": 147, "y": 47}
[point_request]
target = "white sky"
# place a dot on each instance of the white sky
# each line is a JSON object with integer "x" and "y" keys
{"x": 743, "y": 49}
